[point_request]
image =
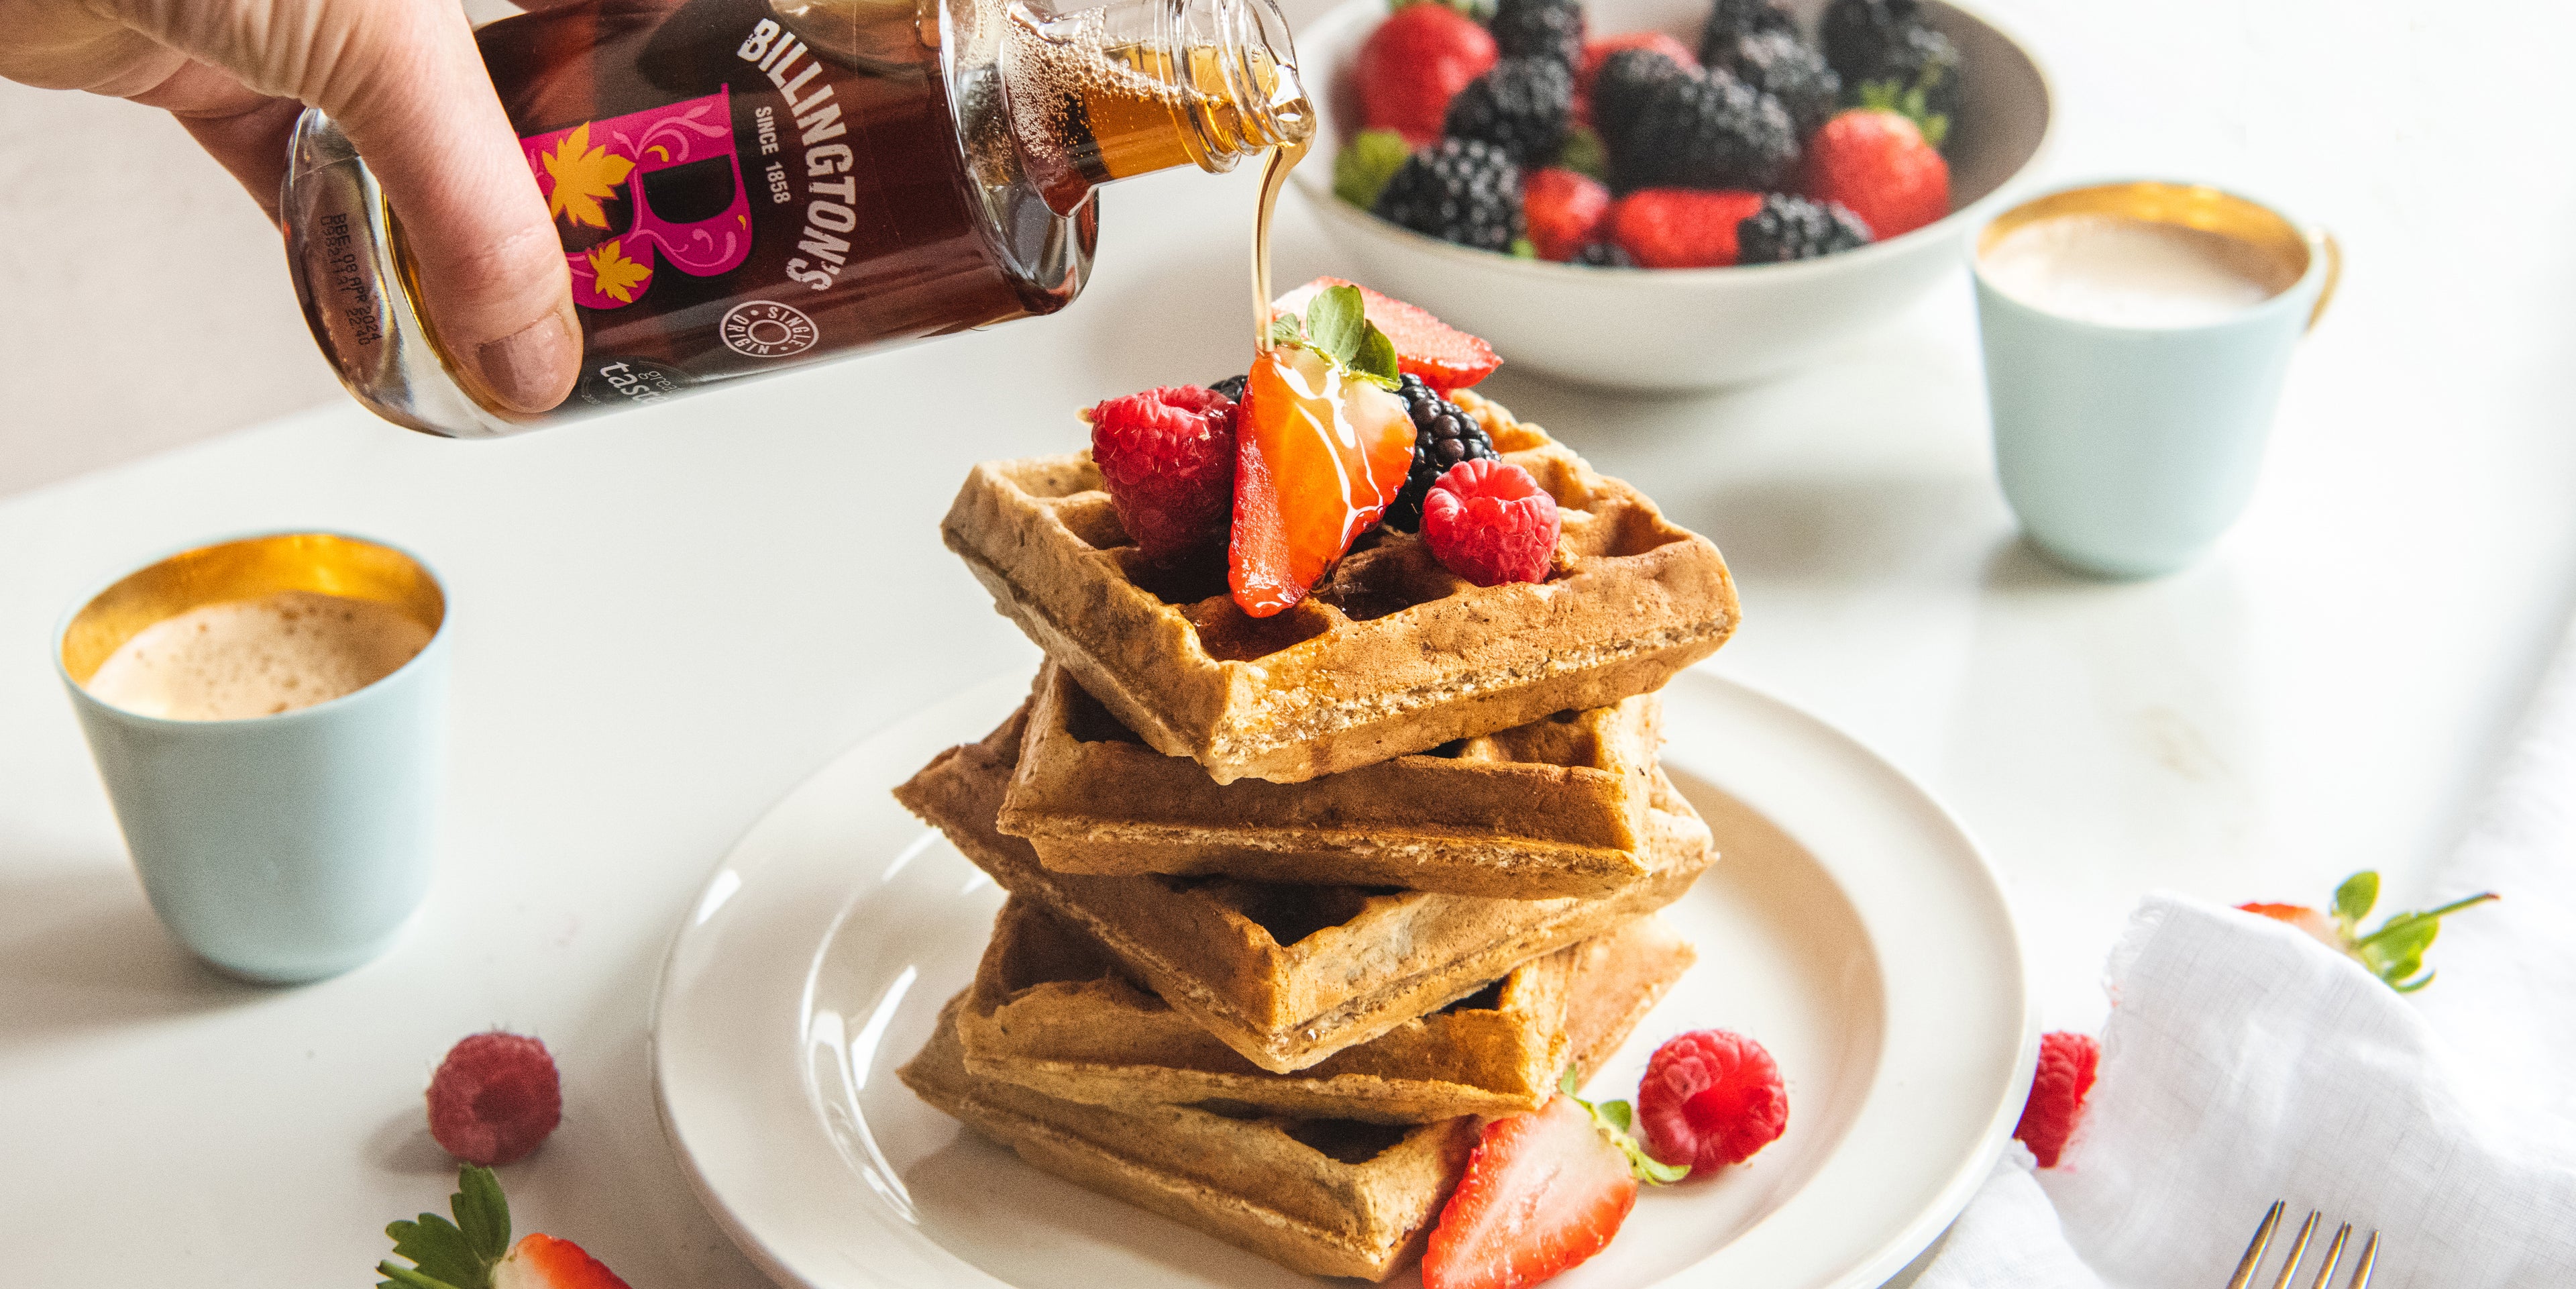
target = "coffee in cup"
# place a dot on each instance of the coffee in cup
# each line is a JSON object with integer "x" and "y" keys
{"x": 2120, "y": 271}
{"x": 237, "y": 659}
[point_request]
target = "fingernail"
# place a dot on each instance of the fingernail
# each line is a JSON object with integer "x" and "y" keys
{"x": 529, "y": 369}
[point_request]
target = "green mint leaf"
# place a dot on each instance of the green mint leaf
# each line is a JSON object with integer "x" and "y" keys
{"x": 2353, "y": 899}
{"x": 1285, "y": 330}
{"x": 1376, "y": 358}
{"x": 1336, "y": 323}
{"x": 482, "y": 1212}
{"x": 440, "y": 1251}
{"x": 1362, "y": 167}
{"x": 1584, "y": 154}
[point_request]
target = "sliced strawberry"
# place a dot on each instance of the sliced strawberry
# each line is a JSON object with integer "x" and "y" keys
{"x": 1443, "y": 356}
{"x": 544, "y": 1262}
{"x": 1319, "y": 453}
{"x": 1543, "y": 1191}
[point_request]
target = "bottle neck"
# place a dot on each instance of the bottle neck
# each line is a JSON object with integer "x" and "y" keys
{"x": 1135, "y": 86}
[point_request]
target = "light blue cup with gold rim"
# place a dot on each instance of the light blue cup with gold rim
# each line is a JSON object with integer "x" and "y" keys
{"x": 2129, "y": 450}
{"x": 287, "y": 847}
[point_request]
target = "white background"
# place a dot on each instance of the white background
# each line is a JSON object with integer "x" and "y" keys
{"x": 664, "y": 621}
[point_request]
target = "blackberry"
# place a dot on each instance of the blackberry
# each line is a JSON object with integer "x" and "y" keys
{"x": 1779, "y": 64}
{"x": 1728, "y": 19}
{"x": 1539, "y": 29}
{"x": 1794, "y": 228}
{"x": 1523, "y": 106}
{"x": 1232, "y": 386}
{"x": 1624, "y": 83}
{"x": 1603, "y": 255}
{"x": 1707, "y": 130}
{"x": 1461, "y": 190}
{"x": 1889, "y": 55}
{"x": 1443, "y": 436}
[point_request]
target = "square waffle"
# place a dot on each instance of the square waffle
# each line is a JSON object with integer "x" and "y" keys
{"x": 1051, "y": 1011}
{"x": 1392, "y": 654}
{"x": 1288, "y": 975}
{"x": 1329, "y": 1197}
{"x": 1554, "y": 807}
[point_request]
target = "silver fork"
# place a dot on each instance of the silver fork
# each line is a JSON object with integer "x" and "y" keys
{"x": 2252, "y": 1263}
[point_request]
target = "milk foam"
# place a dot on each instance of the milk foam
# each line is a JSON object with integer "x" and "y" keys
{"x": 2121, "y": 272}
{"x": 245, "y": 658}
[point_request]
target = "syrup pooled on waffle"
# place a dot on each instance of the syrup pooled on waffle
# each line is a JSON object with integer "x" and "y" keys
{"x": 1333, "y": 829}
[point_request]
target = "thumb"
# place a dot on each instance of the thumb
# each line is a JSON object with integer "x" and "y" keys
{"x": 410, "y": 90}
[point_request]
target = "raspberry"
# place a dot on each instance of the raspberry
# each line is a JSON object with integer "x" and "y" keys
{"x": 1566, "y": 212}
{"x": 1490, "y": 523}
{"x": 2066, "y": 1066}
{"x": 1443, "y": 436}
{"x": 494, "y": 1098}
{"x": 1167, "y": 456}
{"x": 1710, "y": 1098}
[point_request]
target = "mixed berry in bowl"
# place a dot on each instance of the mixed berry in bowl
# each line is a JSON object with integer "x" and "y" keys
{"x": 1521, "y": 133}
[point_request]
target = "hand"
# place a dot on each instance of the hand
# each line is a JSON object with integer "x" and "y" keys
{"x": 403, "y": 79}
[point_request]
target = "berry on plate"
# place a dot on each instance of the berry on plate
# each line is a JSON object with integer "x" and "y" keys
{"x": 1681, "y": 228}
{"x": 1443, "y": 436}
{"x": 494, "y": 1098}
{"x": 1877, "y": 164}
{"x": 2066, "y": 1066}
{"x": 1167, "y": 457}
{"x": 1442, "y": 355}
{"x": 1566, "y": 212}
{"x": 474, "y": 1251}
{"x": 1551, "y": 29}
{"x": 2394, "y": 952}
{"x": 1543, "y": 1191}
{"x": 1413, "y": 63}
{"x": 1523, "y": 107}
{"x": 1706, "y": 129}
{"x": 1710, "y": 1098}
{"x": 1794, "y": 228}
{"x": 1490, "y": 523}
{"x": 1321, "y": 446}
{"x": 1461, "y": 190}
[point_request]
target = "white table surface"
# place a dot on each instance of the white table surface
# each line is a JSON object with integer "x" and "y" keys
{"x": 665, "y": 621}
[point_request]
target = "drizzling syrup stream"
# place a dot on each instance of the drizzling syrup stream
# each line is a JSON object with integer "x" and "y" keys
{"x": 1274, "y": 177}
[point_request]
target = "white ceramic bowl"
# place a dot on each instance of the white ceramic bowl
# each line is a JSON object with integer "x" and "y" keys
{"x": 1678, "y": 329}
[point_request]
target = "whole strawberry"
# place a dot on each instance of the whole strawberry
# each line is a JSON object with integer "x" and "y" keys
{"x": 1681, "y": 228}
{"x": 1566, "y": 212}
{"x": 1877, "y": 164}
{"x": 1167, "y": 458}
{"x": 1710, "y": 1098}
{"x": 1414, "y": 63}
{"x": 2394, "y": 952}
{"x": 1490, "y": 523}
{"x": 2066, "y": 1066}
{"x": 495, "y": 1098}
{"x": 474, "y": 1251}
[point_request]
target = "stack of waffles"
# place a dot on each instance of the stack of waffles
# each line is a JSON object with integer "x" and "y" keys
{"x": 1296, "y": 903}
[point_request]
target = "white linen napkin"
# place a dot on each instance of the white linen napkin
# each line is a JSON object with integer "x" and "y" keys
{"x": 2244, "y": 1062}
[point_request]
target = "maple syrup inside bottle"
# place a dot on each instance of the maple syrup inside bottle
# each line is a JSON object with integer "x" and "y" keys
{"x": 743, "y": 186}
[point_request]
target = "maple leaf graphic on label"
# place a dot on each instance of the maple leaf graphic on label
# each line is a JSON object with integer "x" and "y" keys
{"x": 617, "y": 275}
{"x": 583, "y": 176}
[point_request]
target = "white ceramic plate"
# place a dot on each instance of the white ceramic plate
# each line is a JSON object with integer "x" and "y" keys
{"x": 1851, "y": 926}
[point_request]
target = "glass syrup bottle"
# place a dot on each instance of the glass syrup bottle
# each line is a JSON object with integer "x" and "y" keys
{"x": 747, "y": 186}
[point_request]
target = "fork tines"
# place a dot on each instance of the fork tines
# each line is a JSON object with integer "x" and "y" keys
{"x": 2248, "y": 1267}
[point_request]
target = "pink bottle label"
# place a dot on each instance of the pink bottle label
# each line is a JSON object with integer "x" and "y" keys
{"x": 583, "y": 166}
